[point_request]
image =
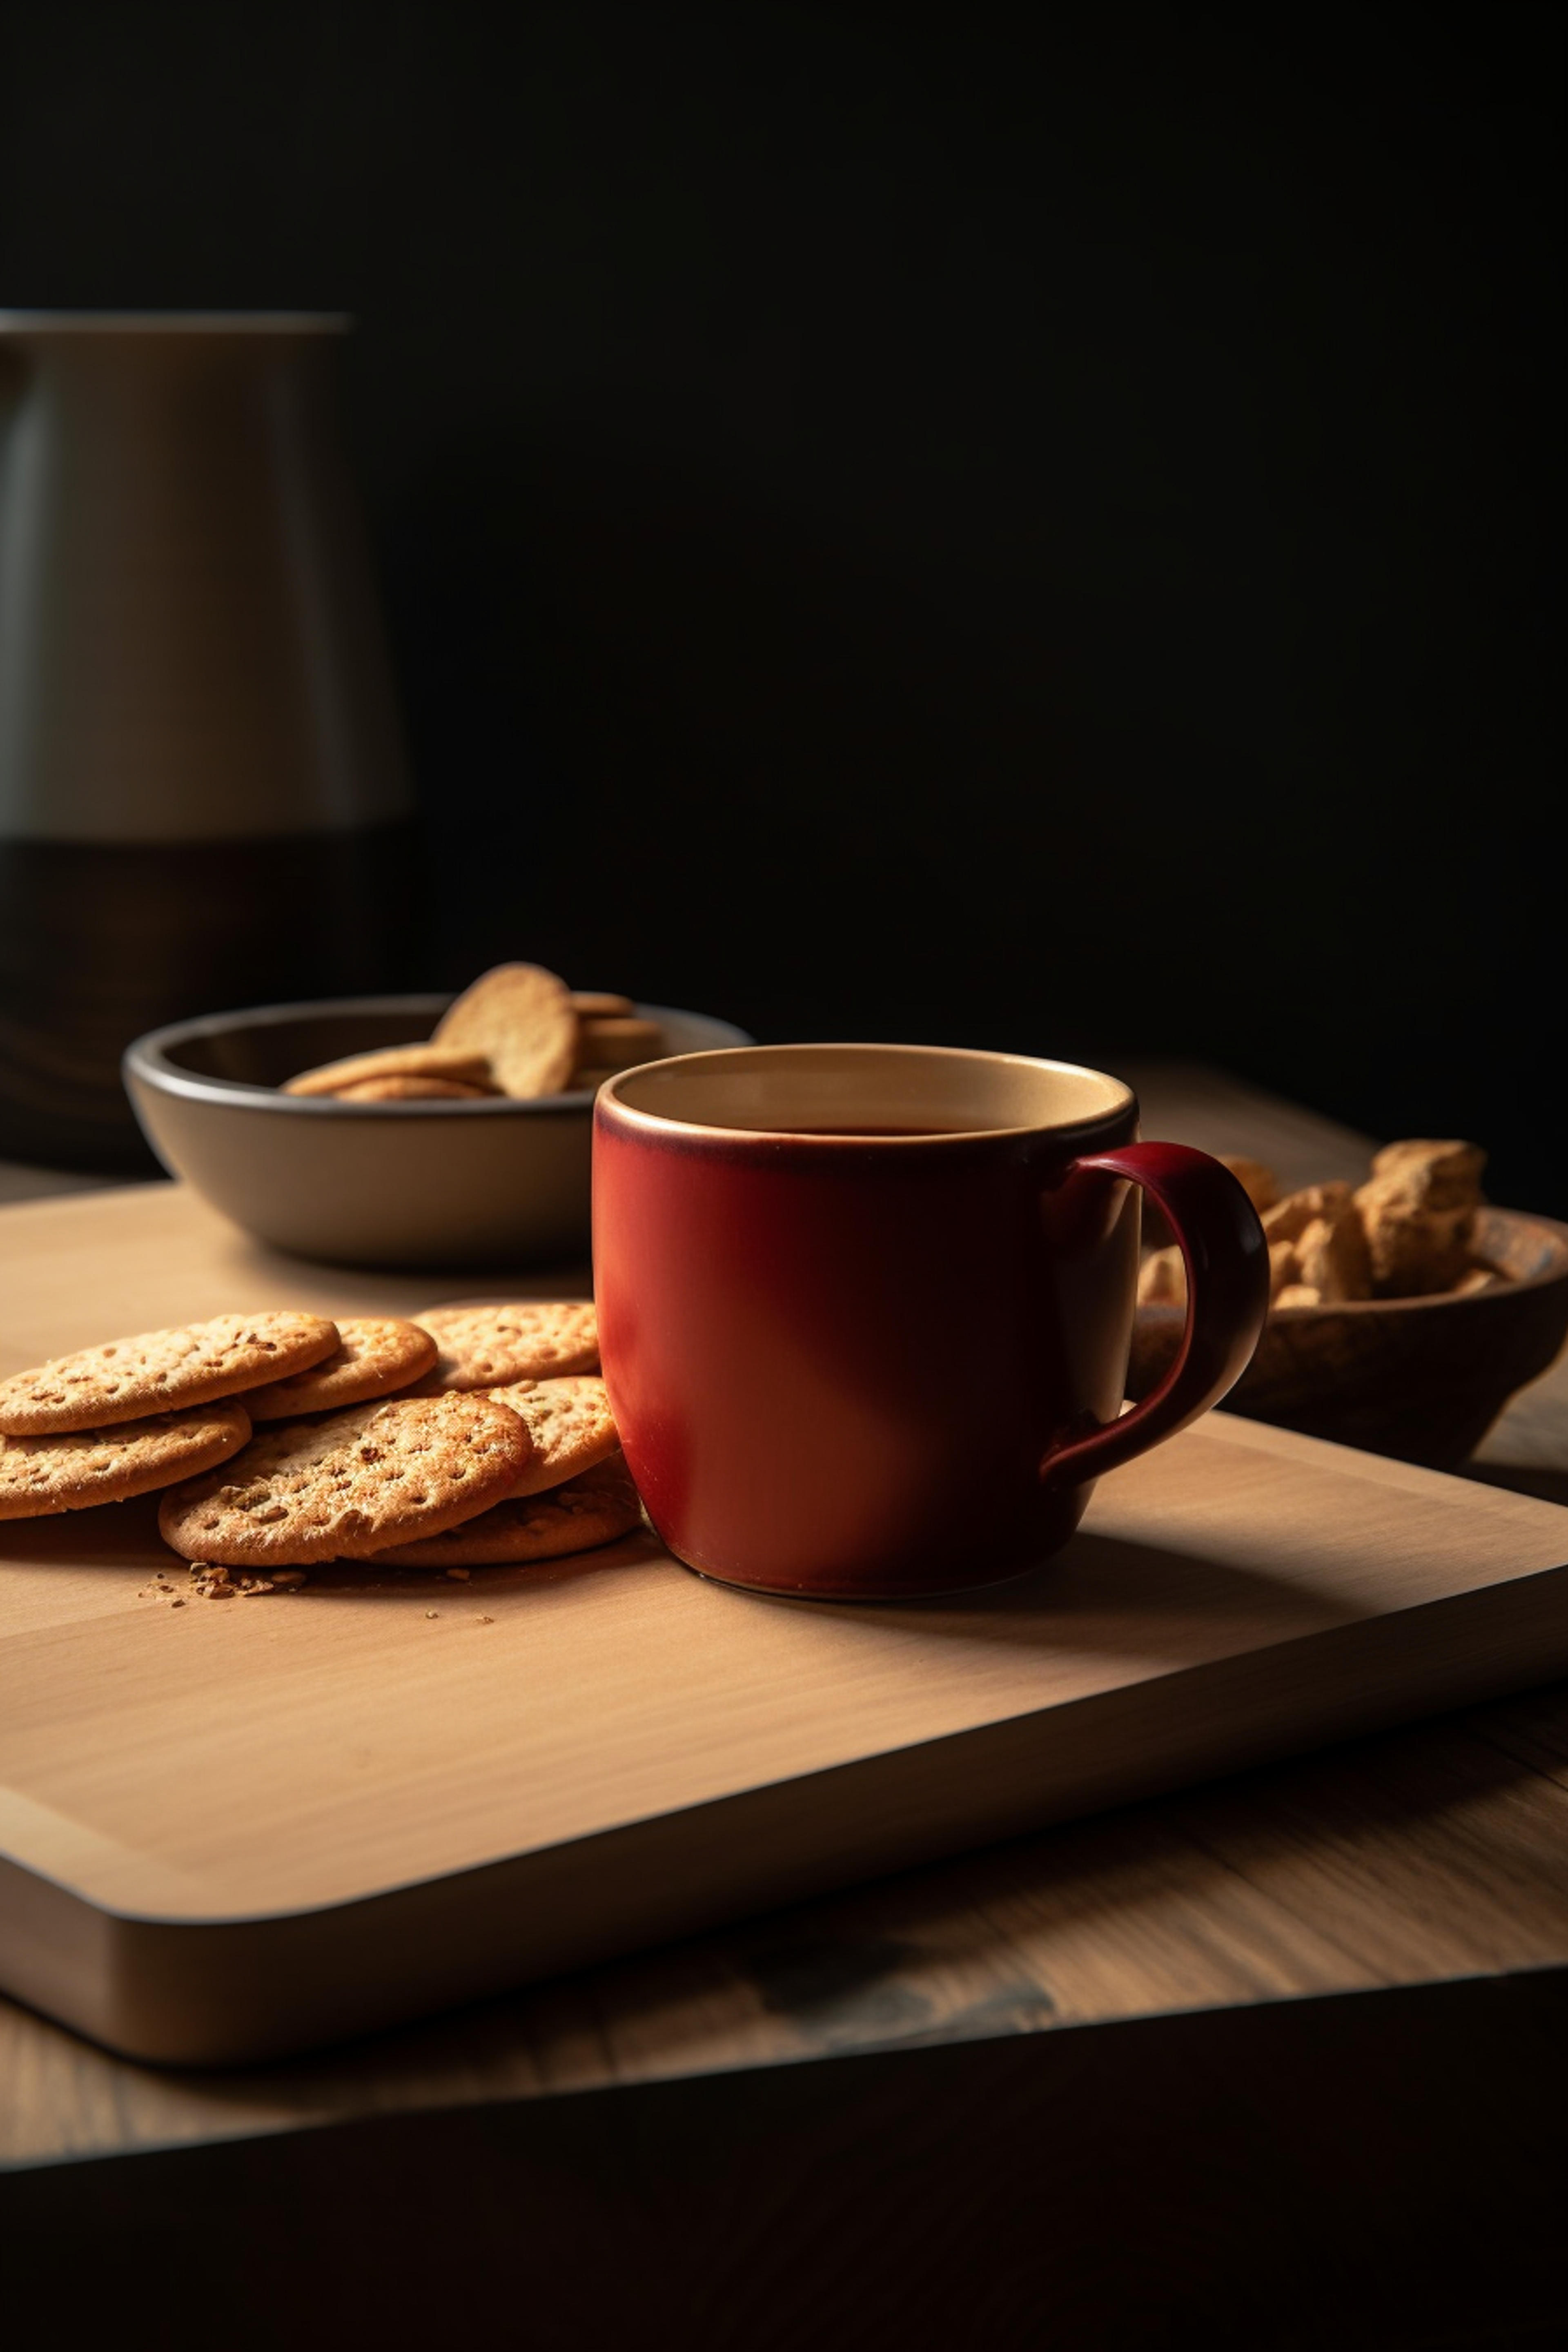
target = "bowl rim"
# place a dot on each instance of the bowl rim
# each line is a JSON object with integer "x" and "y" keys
{"x": 146, "y": 1058}
{"x": 1431, "y": 1299}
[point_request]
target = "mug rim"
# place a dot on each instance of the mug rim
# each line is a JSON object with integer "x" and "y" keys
{"x": 610, "y": 1100}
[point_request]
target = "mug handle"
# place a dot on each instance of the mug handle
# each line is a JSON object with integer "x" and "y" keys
{"x": 1227, "y": 1259}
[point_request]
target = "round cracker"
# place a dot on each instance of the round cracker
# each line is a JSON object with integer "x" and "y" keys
{"x": 570, "y": 1422}
{"x": 593, "y": 1509}
{"x": 521, "y": 1016}
{"x": 600, "y": 1004}
{"x": 377, "y": 1475}
{"x": 622, "y": 1042}
{"x": 374, "y": 1355}
{"x": 73, "y": 1469}
{"x": 162, "y": 1371}
{"x": 405, "y": 1087}
{"x": 488, "y": 1347}
{"x": 425, "y": 1060}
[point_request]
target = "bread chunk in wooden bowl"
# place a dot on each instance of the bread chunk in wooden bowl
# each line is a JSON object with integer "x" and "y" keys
{"x": 1344, "y": 1356}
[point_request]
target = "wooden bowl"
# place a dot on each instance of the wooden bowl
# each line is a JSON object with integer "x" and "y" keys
{"x": 1424, "y": 1379}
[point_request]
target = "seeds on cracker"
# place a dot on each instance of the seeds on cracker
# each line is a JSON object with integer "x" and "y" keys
{"x": 570, "y": 1422}
{"x": 375, "y": 1354}
{"x": 73, "y": 1469}
{"x": 522, "y": 1019}
{"x": 427, "y": 1060}
{"x": 373, "y": 1475}
{"x": 161, "y": 1371}
{"x": 487, "y": 1347}
{"x": 593, "y": 1509}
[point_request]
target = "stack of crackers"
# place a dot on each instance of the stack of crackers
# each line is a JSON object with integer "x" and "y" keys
{"x": 480, "y": 1436}
{"x": 518, "y": 1031}
{"x": 1408, "y": 1233}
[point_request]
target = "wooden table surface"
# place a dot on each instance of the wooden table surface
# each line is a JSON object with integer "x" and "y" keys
{"x": 1391, "y": 1915}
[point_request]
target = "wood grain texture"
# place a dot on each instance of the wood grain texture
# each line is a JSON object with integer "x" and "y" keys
{"x": 1427, "y": 1853}
{"x": 72, "y": 1265}
{"x": 626, "y": 1752}
{"x": 394, "y": 1746}
{"x": 614, "y": 1751}
{"x": 20, "y": 1182}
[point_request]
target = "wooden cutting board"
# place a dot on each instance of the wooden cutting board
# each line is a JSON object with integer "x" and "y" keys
{"x": 228, "y": 1829}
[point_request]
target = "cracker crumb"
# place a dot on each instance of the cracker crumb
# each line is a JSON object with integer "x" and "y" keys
{"x": 178, "y": 1601}
{"x": 432, "y": 1613}
{"x": 484, "y": 1621}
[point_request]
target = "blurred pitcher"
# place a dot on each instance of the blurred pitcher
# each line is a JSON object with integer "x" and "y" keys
{"x": 203, "y": 793}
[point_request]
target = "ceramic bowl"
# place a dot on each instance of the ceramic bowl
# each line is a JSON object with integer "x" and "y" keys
{"x": 438, "y": 1184}
{"x": 1424, "y": 1379}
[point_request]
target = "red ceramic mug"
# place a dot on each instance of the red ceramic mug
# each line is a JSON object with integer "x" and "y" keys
{"x": 865, "y": 1311}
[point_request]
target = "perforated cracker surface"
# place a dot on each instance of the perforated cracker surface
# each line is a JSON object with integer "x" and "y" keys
{"x": 73, "y": 1469}
{"x": 570, "y": 1422}
{"x": 487, "y": 1347}
{"x": 162, "y": 1371}
{"x": 374, "y": 1355}
{"x": 593, "y": 1509}
{"x": 336, "y": 1489}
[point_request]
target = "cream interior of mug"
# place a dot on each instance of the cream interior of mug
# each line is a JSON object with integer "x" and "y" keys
{"x": 842, "y": 1089}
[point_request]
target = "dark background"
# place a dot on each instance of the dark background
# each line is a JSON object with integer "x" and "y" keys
{"x": 1011, "y": 527}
